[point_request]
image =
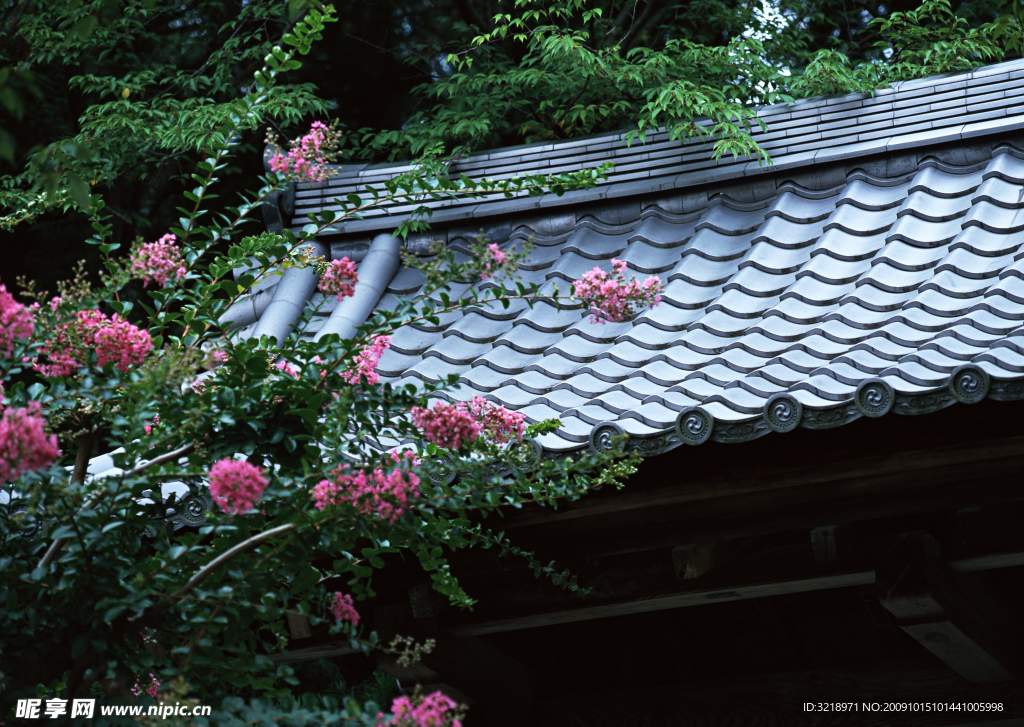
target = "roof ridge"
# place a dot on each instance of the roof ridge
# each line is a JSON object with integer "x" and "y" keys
{"x": 824, "y": 133}
{"x": 802, "y": 104}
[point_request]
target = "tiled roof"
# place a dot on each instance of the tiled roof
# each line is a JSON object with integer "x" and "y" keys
{"x": 800, "y": 297}
{"x": 911, "y": 114}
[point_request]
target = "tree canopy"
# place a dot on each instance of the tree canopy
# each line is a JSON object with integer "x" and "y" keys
{"x": 127, "y": 90}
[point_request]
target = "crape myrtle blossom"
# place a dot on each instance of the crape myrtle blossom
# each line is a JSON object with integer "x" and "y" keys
{"x": 117, "y": 340}
{"x": 375, "y": 494}
{"x": 447, "y": 425}
{"x": 152, "y": 689}
{"x": 339, "y": 278}
{"x": 286, "y": 368}
{"x": 236, "y": 486}
{"x": 309, "y": 155}
{"x": 498, "y": 423}
{"x": 451, "y": 426}
{"x": 114, "y": 340}
{"x": 15, "y": 322}
{"x": 493, "y": 260}
{"x": 434, "y": 710}
{"x": 366, "y": 361}
{"x": 610, "y": 297}
{"x": 344, "y": 608}
{"x": 159, "y": 262}
{"x": 24, "y": 444}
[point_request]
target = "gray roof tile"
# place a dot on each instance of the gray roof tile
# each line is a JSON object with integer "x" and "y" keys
{"x": 905, "y": 269}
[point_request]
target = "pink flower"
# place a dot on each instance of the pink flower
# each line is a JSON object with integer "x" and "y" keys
{"x": 308, "y": 157}
{"x": 235, "y": 485}
{"x": 286, "y": 368}
{"x": 24, "y": 444}
{"x": 610, "y": 297}
{"x": 434, "y": 710}
{"x": 114, "y": 340}
{"x": 339, "y": 279}
{"x": 344, "y": 608}
{"x": 151, "y": 690}
{"x": 493, "y": 256}
{"x": 498, "y": 423}
{"x": 453, "y": 425}
{"x": 15, "y": 322}
{"x": 398, "y": 457}
{"x": 447, "y": 425}
{"x": 159, "y": 262}
{"x": 378, "y": 495}
{"x": 119, "y": 341}
{"x": 149, "y": 425}
{"x": 366, "y": 361}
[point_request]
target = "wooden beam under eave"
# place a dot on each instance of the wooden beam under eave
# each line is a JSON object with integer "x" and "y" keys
{"x": 325, "y": 650}
{"x": 955, "y": 616}
{"x": 790, "y": 575}
{"x": 691, "y": 597}
{"x": 864, "y": 473}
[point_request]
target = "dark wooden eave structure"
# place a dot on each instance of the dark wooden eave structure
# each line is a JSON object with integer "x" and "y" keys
{"x": 734, "y": 583}
{"x": 818, "y": 545}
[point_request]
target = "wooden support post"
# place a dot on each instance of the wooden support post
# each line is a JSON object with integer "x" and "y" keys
{"x": 693, "y": 560}
{"x": 298, "y": 626}
{"x": 824, "y": 543}
{"x": 956, "y": 616}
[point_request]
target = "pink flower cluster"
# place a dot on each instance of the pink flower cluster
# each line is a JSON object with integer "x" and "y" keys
{"x": 151, "y": 690}
{"x": 344, "y": 608}
{"x": 117, "y": 340}
{"x": 378, "y": 495}
{"x": 366, "y": 361}
{"x": 24, "y": 444}
{"x": 215, "y": 358}
{"x": 286, "y": 368}
{"x": 159, "y": 262}
{"x": 610, "y": 297}
{"x": 434, "y": 710}
{"x": 493, "y": 260}
{"x": 447, "y": 425}
{"x": 114, "y": 340}
{"x": 339, "y": 278}
{"x": 309, "y": 155}
{"x": 148, "y": 426}
{"x": 498, "y": 423}
{"x": 453, "y": 425}
{"x": 15, "y": 321}
{"x": 236, "y": 486}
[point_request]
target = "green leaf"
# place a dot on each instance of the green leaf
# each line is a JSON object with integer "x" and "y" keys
{"x": 79, "y": 189}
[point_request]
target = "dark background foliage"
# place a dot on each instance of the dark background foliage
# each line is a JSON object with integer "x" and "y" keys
{"x": 368, "y": 68}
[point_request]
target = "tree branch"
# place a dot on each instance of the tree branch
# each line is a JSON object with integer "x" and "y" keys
{"x": 59, "y": 543}
{"x": 227, "y": 555}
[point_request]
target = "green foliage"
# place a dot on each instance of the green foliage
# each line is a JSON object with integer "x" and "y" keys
{"x": 553, "y": 70}
{"x": 110, "y": 593}
{"x": 143, "y": 109}
{"x": 569, "y": 79}
{"x": 928, "y": 41}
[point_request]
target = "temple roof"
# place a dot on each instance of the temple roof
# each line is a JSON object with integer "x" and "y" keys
{"x": 807, "y": 133}
{"x": 876, "y": 266}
